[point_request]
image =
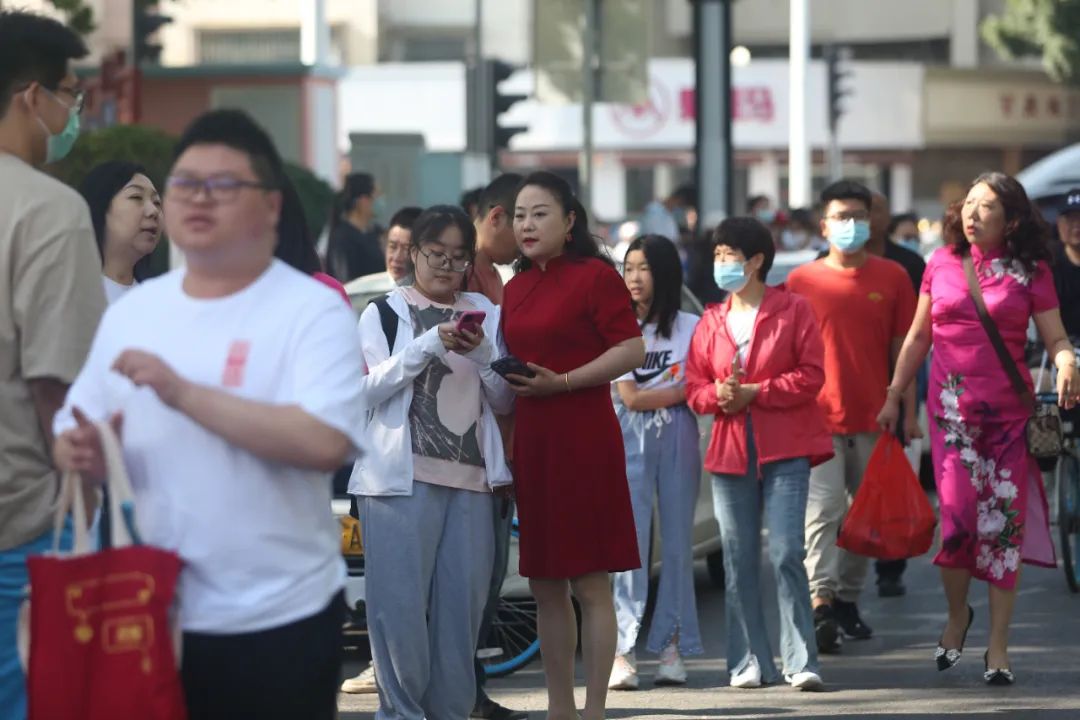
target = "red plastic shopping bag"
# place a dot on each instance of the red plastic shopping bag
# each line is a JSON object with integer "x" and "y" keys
{"x": 97, "y": 627}
{"x": 891, "y": 517}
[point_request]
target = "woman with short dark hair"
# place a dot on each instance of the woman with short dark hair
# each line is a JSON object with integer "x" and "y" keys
{"x": 756, "y": 364}
{"x": 125, "y": 209}
{"x": 663, "y": 461}
{"x": 994, "y": 515}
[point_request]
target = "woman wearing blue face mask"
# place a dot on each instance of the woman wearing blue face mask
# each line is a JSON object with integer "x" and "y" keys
{"x": 756, "y": 364}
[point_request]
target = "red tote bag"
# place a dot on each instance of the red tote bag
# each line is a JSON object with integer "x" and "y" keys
{"x": 891, "y": 518}
{"x": 98, "y": 627}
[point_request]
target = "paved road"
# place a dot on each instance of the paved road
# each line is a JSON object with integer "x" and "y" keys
{"x": 889, "y": 676}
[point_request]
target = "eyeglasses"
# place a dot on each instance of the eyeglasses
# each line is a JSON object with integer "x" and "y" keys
{"x": 222, "y": 189}
{"x": 79, "y": 96}
{"x": 441, "y": 261}
{"x": 844, "y": 217}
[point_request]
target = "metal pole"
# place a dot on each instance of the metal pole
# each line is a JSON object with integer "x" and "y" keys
{"x": 713, "y": 111}
{"x": 314, "y": 34}
{"x": 588, "y": 97}
{"x": 799, "y": 167}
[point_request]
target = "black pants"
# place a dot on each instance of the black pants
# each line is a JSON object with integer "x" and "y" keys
{"x": 289, "y": 672}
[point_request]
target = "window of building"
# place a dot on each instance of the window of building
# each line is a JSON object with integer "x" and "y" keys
{"x": 417, "y": 47}
{"x": 261, "y": 46}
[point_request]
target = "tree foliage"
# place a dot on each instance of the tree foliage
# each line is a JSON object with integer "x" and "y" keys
{"x": 79, "y": 16}
{"x": 1049, "y": 29}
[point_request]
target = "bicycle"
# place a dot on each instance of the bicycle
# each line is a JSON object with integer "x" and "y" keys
{"x": 513, "y": 641}
{"x": 1067, "y": 479}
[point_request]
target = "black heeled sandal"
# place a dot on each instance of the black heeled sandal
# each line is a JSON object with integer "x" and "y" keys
{"x": 996, "y": 676}
{"x": 947, "y": 658}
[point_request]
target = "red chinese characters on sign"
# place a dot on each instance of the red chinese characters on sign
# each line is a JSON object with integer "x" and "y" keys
{"x": 1032, "y": 106}
{"x": 748, "y": 104}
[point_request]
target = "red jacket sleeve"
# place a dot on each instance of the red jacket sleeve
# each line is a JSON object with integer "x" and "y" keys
{"x": 801, "y": 384}
{"x": 700, "y": 378}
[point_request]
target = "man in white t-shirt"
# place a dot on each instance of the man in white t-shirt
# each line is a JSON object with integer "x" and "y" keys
{"x": 237, "y": 380}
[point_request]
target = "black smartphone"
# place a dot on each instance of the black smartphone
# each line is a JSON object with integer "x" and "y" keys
{"x": 510, "y": 365}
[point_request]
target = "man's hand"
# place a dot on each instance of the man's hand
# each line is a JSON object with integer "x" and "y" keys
{"x": 79, "y": 450}
{"x": 146, "y": 370}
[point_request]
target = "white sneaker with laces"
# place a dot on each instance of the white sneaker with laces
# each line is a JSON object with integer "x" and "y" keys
{"x": 624, "y": 673}
{"x": 805, "y": 680}
{"x": 362, "y": 684}
{"x": 749, "y": 677}
{"x": 672, "y": 671}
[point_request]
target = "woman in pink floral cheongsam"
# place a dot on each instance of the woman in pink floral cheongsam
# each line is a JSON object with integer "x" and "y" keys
{"x": 993, "y": 507}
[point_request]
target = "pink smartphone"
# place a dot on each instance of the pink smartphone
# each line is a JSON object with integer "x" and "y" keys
{"x": 471, "y": 320}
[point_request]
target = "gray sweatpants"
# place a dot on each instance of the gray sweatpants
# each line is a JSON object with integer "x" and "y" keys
{"x": 428, "y": 559}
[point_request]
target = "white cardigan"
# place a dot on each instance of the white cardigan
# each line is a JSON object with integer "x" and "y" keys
{"x": 387, "y": 392}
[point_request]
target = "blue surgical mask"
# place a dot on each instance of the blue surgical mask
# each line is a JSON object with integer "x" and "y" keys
{"x": 911, "y": 244}
{"x": 730, "y": 276}
{"x": 58, "y": 146}
{"x": 766, "y": 217}
{"x": 378, "y": 206}
{"x": 849, "y": 236}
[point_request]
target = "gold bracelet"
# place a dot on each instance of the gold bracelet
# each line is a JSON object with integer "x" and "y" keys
{"x": 566, "y": 377}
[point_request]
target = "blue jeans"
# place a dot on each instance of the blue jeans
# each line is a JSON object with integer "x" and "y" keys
{"x": 663, "y": 467}
{"x": 738, "y": 501}
{"x": 13, "y": 582}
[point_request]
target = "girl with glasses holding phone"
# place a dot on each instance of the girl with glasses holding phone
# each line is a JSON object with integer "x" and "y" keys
{"x": 425, "y": 491}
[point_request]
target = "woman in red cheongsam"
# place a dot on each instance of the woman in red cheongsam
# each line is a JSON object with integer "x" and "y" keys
{"x": 568, "y": 315}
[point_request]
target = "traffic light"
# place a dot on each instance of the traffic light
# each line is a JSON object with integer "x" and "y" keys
{"x": 147, "y": 21}
{"x": 501, "y": 102}
{"x": 836, "y": 59}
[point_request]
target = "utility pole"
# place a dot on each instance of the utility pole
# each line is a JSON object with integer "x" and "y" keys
{"x": 713, "y": 147}
{"x": 589, "y": 68}
{"x": 799, "y": 167}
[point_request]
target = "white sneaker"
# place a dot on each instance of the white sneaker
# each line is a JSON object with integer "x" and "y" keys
{"x": 362, "y": 684}
{"x": 750, "y": 677}
{"x": 672, "y": 671}
{"x": 624, "y": 673}
{"x": 805, "y": 680}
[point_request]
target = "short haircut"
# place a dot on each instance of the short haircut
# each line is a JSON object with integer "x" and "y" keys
{"x": 748, "y": 236}
{"x": 898, "y": 220}
{"x": 405, "y": 217}
{"x": 470, "y": 199}
{"x": 100, "y": 186}
{"x": 753, "y": 201}
{"x": 237, "y": 130}
{"x": 500, "y": 192}
{"x": 685, "y": 194}
{"x": 847, "y": 190}
{"x": 34, "y": 48}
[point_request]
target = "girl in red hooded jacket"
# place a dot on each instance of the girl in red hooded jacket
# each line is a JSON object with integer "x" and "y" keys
{"x": 756, "y": 364}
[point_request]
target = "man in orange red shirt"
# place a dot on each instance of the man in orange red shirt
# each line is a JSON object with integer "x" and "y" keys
{"x": 864, "y": 305}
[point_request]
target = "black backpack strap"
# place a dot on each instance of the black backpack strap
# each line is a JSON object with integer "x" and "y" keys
{"x": 389, "y": 320}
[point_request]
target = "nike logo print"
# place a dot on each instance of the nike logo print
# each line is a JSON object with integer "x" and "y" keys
{"x": 646, "y": 377}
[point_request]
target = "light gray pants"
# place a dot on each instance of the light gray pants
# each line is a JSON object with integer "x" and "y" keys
{"x": 663, "y": 467}
{"x": 834, "y": 572}
{"x": 429, "y": 560}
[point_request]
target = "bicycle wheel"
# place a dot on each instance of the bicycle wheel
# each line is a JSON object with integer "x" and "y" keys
{"x": 1068, "y": 488}
{"x": 514, "y": 633}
